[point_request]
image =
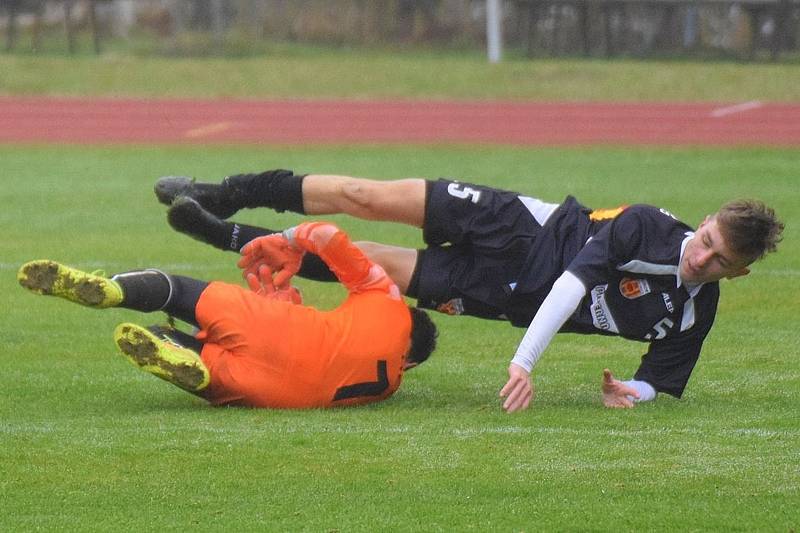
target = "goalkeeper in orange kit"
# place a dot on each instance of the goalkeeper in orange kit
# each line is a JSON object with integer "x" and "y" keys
{"x": 261, "y": 347}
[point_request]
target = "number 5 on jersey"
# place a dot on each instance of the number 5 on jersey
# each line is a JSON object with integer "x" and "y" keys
{"x": 660, "y": 329}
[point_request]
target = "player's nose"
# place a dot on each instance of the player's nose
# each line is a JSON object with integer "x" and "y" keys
{"x": 703, "y": 257}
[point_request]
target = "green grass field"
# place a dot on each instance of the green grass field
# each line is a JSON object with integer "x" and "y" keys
{"x": 89, "y": 443}
{"x": 298, "y": 72}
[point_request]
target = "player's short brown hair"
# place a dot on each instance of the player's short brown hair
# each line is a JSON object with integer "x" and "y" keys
{"x": 750, "y": 228}
{"x": 423, "y": 336}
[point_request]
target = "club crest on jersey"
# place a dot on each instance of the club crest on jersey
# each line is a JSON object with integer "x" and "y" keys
{"x": 633, "y": 288}
{"x": 452, "y": 307}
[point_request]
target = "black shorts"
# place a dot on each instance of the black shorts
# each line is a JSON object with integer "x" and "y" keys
{"x": 478, "y": 239}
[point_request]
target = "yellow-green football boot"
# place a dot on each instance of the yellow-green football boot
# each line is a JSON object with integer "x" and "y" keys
{"x": 54, "y": 279}
{"x": 178, "y": 365}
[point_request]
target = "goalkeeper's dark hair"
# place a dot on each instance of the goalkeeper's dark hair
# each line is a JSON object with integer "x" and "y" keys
{"x": 423, "y": 336}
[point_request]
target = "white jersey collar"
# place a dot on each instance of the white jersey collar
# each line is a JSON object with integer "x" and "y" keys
{"x": 692, "y": 289}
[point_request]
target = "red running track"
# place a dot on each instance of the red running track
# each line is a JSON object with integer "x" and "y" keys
{"x": 66, "y": 120}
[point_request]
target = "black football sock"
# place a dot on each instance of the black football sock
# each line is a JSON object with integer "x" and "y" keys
{"x": 185, "y": 295}
{"x": 187, "y": 216}
{"x": 280, "y": 190}
{"x": 241, "y": 234}
{"x": 144, "y": 290}
{"x": 153, "y": 290}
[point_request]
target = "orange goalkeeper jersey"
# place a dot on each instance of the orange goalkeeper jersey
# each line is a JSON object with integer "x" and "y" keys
{"x": 268, "y": 353}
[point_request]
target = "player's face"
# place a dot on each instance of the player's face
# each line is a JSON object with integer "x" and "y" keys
{"x": 707, "y": 257}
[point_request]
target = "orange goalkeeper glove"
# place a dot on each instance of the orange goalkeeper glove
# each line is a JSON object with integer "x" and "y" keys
{"x": 275, "y": 252}
{"x": 263, "y": 284}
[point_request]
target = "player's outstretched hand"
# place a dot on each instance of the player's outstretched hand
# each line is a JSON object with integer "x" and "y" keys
{"x": 518, "y": 390}
{"x": 616, "y": 394}
{"x": 275, "y": 252}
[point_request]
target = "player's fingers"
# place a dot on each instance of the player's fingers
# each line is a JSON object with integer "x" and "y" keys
{"x": 515, "y": 405}
{"x": 247, "y": 248}
{"x": 618, "y": 403}
{"x": 609, "y": 385}
{"x": 282, "y": 278}
{"x": 508, "y": 387}
{"x": 254, "y": 249}
{"x": 265, "y": 277}
{"x": 510, "y": 395}
{"x": 516, "y": 397}
{"x": 624, "y": 403}
{"x": 250, "y": 270}
{"x": 265, "y": 273}
{"x": 523, "y": 400}
{"x": 253, "y": 283}
{"x": 526, "y": 402}
{"x": 612, "y": 403}
{"x": 246, "y": 260}
{"x": 508, "y": 407}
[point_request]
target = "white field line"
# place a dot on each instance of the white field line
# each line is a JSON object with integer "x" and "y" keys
{"x": 733, "y": 109}
{"x": 760, "y": 433}
{"x": 208, "y": 129}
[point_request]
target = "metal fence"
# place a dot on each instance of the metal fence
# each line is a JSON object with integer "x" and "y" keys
{"x": 736, "y": 28}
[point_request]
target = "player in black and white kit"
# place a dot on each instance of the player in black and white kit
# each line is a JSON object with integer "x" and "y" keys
{"x": 633, "y": 271}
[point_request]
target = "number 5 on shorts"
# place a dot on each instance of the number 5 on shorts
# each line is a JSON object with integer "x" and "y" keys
{"x": 464, "y": 192}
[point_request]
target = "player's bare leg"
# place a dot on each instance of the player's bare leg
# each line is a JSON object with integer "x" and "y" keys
{"x": 398, "y": 262}
{"x": 315, "y": 194}
{"x": 392, "y": 201}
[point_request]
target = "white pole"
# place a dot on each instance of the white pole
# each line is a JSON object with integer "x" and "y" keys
{"x": 218, "y": 23}
{"x": 494, "y": 36}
